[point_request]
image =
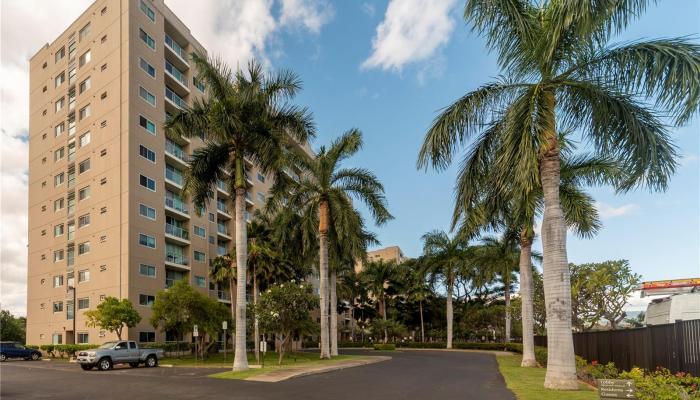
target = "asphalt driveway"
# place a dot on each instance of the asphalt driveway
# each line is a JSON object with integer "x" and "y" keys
{"x": 408, "y": 375}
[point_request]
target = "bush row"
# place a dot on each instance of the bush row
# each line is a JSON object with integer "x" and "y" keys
{"x": 62, "y": 350}
{"x": 384, "y": 346}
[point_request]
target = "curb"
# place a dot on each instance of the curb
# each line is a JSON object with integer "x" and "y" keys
{"x": 330, "y": 368}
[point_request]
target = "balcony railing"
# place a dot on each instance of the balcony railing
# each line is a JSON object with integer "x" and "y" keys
{"x": 176, "y": 258}
{"x": 176, "y": 204}
{"x": 222, "y": 229}
{"x": 221, "y": 207}
{"x": 221, "y": 250}
{"x": 176, "y": 73}
{"x": 175, "y": 47}
{"x": 176, "y": 231}
{"x": 173, "y": 176}
{"x": 172, "y": 148}
{"x": 172, "y": 96}
{"x": 221, "y": 185}
{"x": 222, "y": 295}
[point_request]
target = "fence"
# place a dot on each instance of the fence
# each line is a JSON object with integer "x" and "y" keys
{"x": 673, "y": 346}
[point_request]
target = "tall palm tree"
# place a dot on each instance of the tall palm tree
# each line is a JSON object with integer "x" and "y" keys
{"x": 445, "y": 258}
{"x": 323, "y": 197}
{"x": 512, "y": 210}
{"x": 378, "y": 278}
{"x": 223, "y": 271}
{"x": 245, "y": 116}
{"x": 417, "y": 288}
{"x": 561, "y": 72}
{"x": 352, "y": 291}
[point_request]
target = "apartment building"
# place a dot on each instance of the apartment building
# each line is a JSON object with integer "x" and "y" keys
{"x": 391, "y": 253}
{"x": 107, "y": 213}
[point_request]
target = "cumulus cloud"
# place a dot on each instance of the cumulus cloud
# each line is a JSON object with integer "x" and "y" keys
{"x": 412, "y": 31}
{"x": 236, "y": 30}
{"x": 606, "y": 211}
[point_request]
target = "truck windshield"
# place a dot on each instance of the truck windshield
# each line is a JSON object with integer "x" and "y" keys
{"x": 108, "y": 345}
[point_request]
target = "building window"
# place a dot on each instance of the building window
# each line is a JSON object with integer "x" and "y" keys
{"x": 83, "y": 338}
{"x": 83, "y": 248}
{"x": 58, "y": 281}
{"x": 147, "y": 270}
{"x": 147, "y": 153}
{"x": 146, "y": 300}
{"x": 71, "y": 51}
{"x": 147, "y": 337}
{"x": 58, "y": 230}
{"x": 60, "y": 53}
{"x": 147, "y": 96}
{"x": 147, "y": 182}
{"x": 199, "y": 231}
{"x": 84, "y": 193}
{"x": 84, "y": 166}
{"x": 147, "y": 39}
{"x": 147, "y": 125}
{"x": 59, "y": 104}
{"x": 261, "y": 177}
{"x": 200, "y": 281}
{"x": 261, "y": 197}
{"x": 84, "y": 112}
{"x": 198, "y": 84}
{"x": 58, "y": 154}
{"x": 84, "y": 59}
{"x": 83, "y": 33}
{"x": 58, "y": 179}
{"x": 211, "y": 217}
{"x": 60, "y": 78}
{"x": 211, "y": 239}
{"x": 84, "y": 85}
{"x": 83, "y": 303}
{"x": 58, "y": 204}
{"x": 199, "y": 256}
{"x": 148, "y": 11}
{"x": 147, "y": 211}
{"x": 148, "y": 241}
{"x": 84, "y": 139}
{"x": 83, "y": 220}
{"x": 84, "y": 275}
{"x": 58, "y": 130}
{"x": 150, "y": 70}
{"x": 57, "y": 255}
{"x": 58, "y": 306}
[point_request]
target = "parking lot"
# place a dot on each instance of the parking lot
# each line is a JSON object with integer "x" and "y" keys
{"x": 408, "y": 375}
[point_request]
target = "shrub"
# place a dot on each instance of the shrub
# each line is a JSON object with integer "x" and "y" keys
{"x": 65, "y": 350}
{"x": 385, "y": 346}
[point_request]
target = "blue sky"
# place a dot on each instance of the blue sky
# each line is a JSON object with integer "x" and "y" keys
{"x": 657, "y": 232}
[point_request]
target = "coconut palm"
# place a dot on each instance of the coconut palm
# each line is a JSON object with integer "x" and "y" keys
{"x": 561, "y": 72}
{"x": 378, "y": 278}
{"x": 323, "y": 197}
{"x": 445, "y": 258}
{"x": 245, "y": 117}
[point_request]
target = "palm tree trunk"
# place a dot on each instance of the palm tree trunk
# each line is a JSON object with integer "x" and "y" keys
{"x": 240, "y": 361}
{"x": 323, "y": 277}
{"x": 561, "y": 364}
{"x": 334, "y": 314}
{"x": 449, "y": 312}
{"x": 382, "y": 306}
{"x": 526, "y": 301}
{"x": 422, "y": 327}
{"x": 256, "y": 324}
{"x": 506, "y": 295}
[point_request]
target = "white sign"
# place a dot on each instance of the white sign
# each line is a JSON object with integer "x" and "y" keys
{"x": 224, "y": 325}
{"x": 195, "y": 331}
{"x": 263, "y": 346}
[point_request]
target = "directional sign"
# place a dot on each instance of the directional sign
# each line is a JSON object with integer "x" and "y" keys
{"x": 616, "y": 389}
{"x": 224, "y": 325}
{"x": 195, "y": 331}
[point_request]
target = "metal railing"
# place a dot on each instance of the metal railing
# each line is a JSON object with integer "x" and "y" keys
{"x": 172, "y": 96}
{"x": 176, "y": 204}
{"x": 176, "y": 258}
{"x": 173, "y": 176}
{"x": 175, "y": 47}
{"x": 176, "y": 73}
{"x": 172, "y": 148}
{"x": 176, "y": 231}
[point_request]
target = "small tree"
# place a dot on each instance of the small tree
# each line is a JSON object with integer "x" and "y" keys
{"x": 12, "y": 328}
{"x": 284, "y": 310}
{"x": 113, "y": 315}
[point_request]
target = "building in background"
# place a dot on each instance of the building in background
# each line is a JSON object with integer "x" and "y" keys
{"x": 107, "y": 213}
{"x": 391, "y": 253}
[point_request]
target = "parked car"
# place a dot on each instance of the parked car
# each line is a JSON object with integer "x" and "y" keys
{"x": 118, "y": 352}
{"x": 17, "y": 350}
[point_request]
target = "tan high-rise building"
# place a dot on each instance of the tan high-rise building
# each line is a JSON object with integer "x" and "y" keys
{"x": 107, "y": 216}
{"x": 386, "y": 254}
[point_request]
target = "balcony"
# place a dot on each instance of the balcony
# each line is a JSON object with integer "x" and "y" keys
{"x": 176, "y": 78}
{"x": 222, "y": 209}
{"x": 291, "y": 174}
{"x": 221, "y": 250}
{"x": 173, "y": 101}
{"x": 222, "y": 231}
{"x": 177, "y": 206}
{"x": 176, "y": 153}
{"x": 221, "y": 295}
{"x": 177, "y": 260}
{"x": 178, "y": 234}
{"x": 173, "y": 177}
{"x": 175, "y": 53}
{"x": 221, "y": 187}
{"x": 249, "y": 199}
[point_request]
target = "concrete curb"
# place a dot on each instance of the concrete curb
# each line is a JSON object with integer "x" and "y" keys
{"x": 494, "y": 352}
{"x": 283, "y": 375}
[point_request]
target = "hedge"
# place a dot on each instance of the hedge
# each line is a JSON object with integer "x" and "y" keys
{"x": 385, "y": 346}
{"x": 63, "y": 350}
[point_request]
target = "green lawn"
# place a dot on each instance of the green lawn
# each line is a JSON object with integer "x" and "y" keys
{"x": 527, "y": 383}
{"x": 290, "y": 361}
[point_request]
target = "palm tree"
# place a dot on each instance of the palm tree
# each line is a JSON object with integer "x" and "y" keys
{"x": 351, "y": 290}
{"x": 378, "y": 277}
{"x": 562, "y": 73}
{"x": 323, "y": 197}
{"x": 245, "y": 117}
{"x": 445, "y": 258}
{"x": 417, "y": 288}
{"x": 223, "y": 271}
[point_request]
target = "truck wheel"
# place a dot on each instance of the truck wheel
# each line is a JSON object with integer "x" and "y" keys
{"x": 104, "y": 364}
{"x": 35, "y": 357}
{"x": 3, "y": 357}
{"x": 151, "y": 361}
{"x": 86, "y": 367}
{"x": 134, "y": 364}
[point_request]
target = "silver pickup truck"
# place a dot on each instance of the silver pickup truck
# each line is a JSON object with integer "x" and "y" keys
{"x": 118, "y": 352}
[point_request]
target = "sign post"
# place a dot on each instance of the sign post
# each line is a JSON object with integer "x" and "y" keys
{"x": 224, "y": 326}
{"x": 195, "y": 334}
{"x": 263, "y": 348}
{"x": 616, "y": 389}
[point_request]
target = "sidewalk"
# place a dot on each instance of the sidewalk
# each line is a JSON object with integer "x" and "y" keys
{"x": 282, "y": 374}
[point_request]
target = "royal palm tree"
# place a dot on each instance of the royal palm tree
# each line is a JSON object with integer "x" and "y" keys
{"x": 445, "y": 258}
{"x": 324, "y": 195}
{"x": 378, "y": 278}
{"x": 561, "y": 73}
{"x": 246, "y": 116}
{"x": 416, "y": 287}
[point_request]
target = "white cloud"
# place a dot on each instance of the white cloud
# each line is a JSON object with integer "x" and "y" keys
{"x": 607, "y": 211}
{"x": 237, "y": 30}
{"x": 688, "y": 159}
{"x": 412, "y": 31}
{"x": 368, "y": 8}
